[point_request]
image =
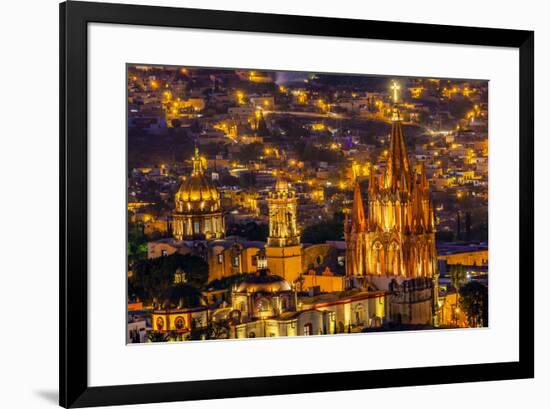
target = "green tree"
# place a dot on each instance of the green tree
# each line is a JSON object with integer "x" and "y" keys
{"x": 137, "y": 243}
{"x": 153, "y": 276}
{"x": 457, "y": 275}
{"x": 474, "y": 300}
{"x": 227, "y": 282}
{"x": 444, "y": 235}
{"x": 332, "y": 229}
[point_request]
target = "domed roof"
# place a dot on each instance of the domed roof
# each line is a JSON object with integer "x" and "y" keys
{"x": 197, "y": 188}
{"x": 181, "y": 297}
{"x": 263, "y": 281}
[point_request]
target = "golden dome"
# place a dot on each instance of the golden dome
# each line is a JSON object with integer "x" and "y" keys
{"x": 197, "y": 193}
{"x": 197, "y": 188}
{"x": 263, "y": 281}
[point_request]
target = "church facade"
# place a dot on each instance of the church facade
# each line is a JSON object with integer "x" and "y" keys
{"x": 390, "y": 245}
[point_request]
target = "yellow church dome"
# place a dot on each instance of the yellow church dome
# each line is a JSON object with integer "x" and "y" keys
{"x": 197, "y": 188}
{"x": 264, "y": 281}
{"x": 197, "y": 193}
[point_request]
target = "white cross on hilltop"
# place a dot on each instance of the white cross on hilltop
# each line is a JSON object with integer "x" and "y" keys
{"x": 395, "y": 89}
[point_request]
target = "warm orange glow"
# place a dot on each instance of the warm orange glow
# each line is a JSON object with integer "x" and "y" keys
{"x": 395, "y": 87}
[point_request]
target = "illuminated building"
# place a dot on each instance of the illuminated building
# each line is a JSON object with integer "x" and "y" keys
{"x": 264, "y": 305}
{"x": 396, "y": 234}
{"x": 263, "y": 295}
{"x": 263, "y": 102}
{"x": 391, "y": 245}
{"x": 283, "y": 249}
{"x": 182, "y": 310}
{"x": 351, "y": 310}
{"x": 247, "y": 200}
{"x": 198, "y": 213}
{"x": 232, "y": 256}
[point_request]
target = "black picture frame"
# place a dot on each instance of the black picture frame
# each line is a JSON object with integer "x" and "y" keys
{"x": 73, "y": 379}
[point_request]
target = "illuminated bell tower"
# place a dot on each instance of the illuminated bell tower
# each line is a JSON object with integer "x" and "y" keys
{"x": 283, "y": 250}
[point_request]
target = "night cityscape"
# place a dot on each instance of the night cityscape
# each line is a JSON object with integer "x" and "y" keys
{"x": 268, "y": 204}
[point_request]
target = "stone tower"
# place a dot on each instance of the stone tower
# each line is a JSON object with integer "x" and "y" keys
{"x": 283, "y": 249}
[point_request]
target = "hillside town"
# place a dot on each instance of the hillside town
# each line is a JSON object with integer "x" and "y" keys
{"x": 265, "y": 203}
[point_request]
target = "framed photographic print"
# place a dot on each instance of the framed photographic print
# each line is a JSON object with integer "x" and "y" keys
{"x": 257, "y": 204}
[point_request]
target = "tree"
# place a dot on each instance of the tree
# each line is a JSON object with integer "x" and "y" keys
{"x": 308, "y": 152}
{"x": 250, "y": 231}
{"x": 196, "y": 126}
{"x": 247, "y": 180}
{"x": 250, "y": 152}
{"x": 198, "y": 330}
{"x": 444, "y": 235}
{"x": 457, "y": 275}
{"x": 157, "y": 337}
{"x": 219, "y": 330}
{"x": 261, "y": 129}
{"x": 228, "y": 180}
{"x": 227, "y": 282}
{"x": 458, "y": 226}
{"x": 137, "y": 243}
{"x": 153, "y": 276}
{"x": 332, "y": 229}
{"x": 474, "y": 300}
{"x": 468, "y": 226}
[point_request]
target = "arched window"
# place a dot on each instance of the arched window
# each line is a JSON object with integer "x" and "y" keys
{"x": 377, "y": 250}
{"x": 359, "y": 314}
{"x": 394, "y": 258}
{"x": 263, "y": 305}
{"x": 179, "y": 323}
